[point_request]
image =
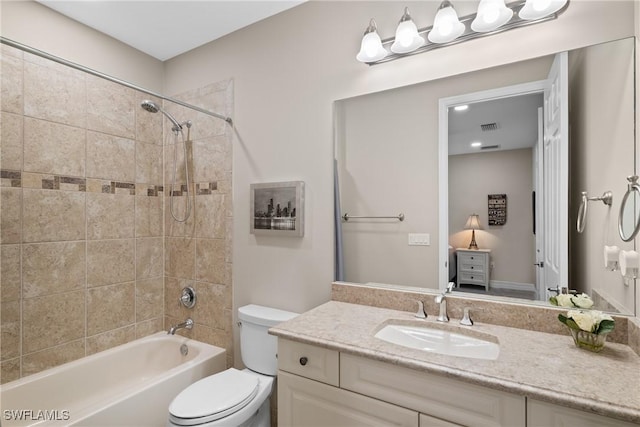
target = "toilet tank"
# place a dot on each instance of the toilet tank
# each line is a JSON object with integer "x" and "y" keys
{"x": 259, "y": 349}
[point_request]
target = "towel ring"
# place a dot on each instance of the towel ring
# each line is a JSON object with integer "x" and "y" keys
{"x": 606, "y": 198}
{"x": 629, "y": 216}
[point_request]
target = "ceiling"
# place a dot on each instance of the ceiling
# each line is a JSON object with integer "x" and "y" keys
{"x": 166, "y": 28}
{"x": 516, "y": 120}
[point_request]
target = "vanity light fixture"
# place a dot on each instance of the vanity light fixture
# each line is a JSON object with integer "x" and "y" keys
{"x": 476, "y": 144}
{"x": 407, "y": 38}
{"x": 464, "y": 107}
{"x": 446, "y": 26}
{"x": 371, "y": 49}
{"x": 493, "y": 16}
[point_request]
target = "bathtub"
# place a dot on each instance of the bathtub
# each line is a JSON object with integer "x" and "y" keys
{"x": 128, "y": 385}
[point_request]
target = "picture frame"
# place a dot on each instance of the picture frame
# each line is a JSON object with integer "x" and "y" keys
{"x": 277, "y": 208}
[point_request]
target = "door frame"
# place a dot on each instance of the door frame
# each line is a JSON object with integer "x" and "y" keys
{"x": 443, "y": 158}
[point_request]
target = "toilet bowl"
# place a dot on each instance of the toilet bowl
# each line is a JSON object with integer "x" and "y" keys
{"x": 236, "y": 398}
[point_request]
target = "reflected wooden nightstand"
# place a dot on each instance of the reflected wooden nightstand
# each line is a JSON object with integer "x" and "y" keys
{"x": 473, "y": 267}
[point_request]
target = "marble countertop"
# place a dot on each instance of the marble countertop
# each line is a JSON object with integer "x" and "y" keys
{"x": 543, "y": 366}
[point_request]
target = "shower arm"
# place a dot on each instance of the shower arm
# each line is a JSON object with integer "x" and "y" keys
{"x": 93, "y": 72}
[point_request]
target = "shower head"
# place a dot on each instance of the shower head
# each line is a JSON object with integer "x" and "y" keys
{"x": 152, "y": 107}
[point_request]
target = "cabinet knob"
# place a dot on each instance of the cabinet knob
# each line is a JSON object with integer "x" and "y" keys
{"x": 303, "y": 360}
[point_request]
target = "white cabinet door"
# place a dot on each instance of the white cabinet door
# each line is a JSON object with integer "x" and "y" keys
{"x": 303, "y": 402}
{"x": 542, "y": 414}
{"x": 427, "y": 421}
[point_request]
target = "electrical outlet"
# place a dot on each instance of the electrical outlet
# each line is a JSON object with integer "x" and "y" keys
{"x": 419, "y": 239}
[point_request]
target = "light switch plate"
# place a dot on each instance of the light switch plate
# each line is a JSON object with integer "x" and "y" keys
{"x": 419, "y": 239}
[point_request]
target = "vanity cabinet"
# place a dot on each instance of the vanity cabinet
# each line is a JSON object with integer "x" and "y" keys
{"x": 473, "y": 267}
{"x": 366, "y": 392}
{"x": 543, "y": 414}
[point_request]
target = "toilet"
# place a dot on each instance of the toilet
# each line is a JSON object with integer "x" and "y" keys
{"x": 233, "y": 397}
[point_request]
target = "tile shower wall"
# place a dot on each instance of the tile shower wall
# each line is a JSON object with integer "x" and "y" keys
{"x": 81, "y": 215}
{"x": 198, "y": 250}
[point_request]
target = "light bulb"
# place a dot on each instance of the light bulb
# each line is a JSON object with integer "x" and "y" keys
{"x": 540, "y": 5}
{"x": 538, "y": 9}
{"x": 446, "y": 26}
{"x": 492, "y": 14}
{"x": 407, "y": 37}
{"x": 371, "y": 49}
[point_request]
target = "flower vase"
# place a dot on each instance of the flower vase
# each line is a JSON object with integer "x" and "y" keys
{"x": 589, "y": 340}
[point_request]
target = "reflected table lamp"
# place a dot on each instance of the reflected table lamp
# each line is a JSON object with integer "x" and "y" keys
{"x": 473, "y": 224}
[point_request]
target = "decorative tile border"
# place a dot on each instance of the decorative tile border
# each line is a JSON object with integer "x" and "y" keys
{"x": 18, "y": 179}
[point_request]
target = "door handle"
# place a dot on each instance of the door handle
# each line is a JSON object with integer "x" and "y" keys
{"x": 539, "y": 264}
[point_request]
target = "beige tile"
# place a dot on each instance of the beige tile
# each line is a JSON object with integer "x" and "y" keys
{"x": 53, "y": 215}
{"x": 179, "y": 210}
{"x": 177, "y": 151}
{"x": 52, "y": 357}
{"x": 52, "y": 320}
{"x": 212, "y": 302}
{"x": 148, "y": 125}
{"x": 10, "y": 215}
{"x": 6, "y": 50}
{"x": 148, "y": 163}
{"x": 55, "y": 95}
{"x": 110, "y": 157}
{"x": 149, "y": 298}
{"x": 149, "y": 257}
{"x": 49, "y": 268}
{"x": 53, "y": 148}
{"x": 11, "y": 95}
{"x": 110, "y": 307}
{"x": 9, "y": 370}
{"x": 210, "y": 261}
{"x": 111, "y": 108}
{"x": 110, "y": 339}
{"x": 110, "y": 261}
{"x": 213, "y": 336}
{"x": 11, "y": 137}
{"x": 10, "y": 329}
{"x": 110, "y": 216}
{"x": 180, "y": 257}
{"x": 172, "y": 291}
{"x": 210, "y": 216}
{"x": 149, "y": 327}
{"x": 10, "y": 278}
{"x": 149, "y": 216}
{"x": 212, "y": 159}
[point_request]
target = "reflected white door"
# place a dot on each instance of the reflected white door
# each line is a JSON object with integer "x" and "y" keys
{"x": 538, "y": 152}
{"x": 555, "y": 177}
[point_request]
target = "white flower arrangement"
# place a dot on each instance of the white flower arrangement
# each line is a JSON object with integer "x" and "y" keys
{"x": 574, "y": 301}
{"x": 593, "y": 321}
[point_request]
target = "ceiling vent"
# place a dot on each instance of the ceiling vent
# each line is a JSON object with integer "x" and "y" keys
{"x": 490, "y": 147}
{"x": 489, "y": 127}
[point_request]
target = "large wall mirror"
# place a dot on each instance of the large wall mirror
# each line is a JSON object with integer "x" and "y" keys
{"x": 462, "y": 158}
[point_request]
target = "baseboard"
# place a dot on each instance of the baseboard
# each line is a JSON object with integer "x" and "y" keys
{"x": 514, "y": 286}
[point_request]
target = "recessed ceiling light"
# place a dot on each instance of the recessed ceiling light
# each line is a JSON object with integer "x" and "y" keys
{"x": 476, "y": 144}
{"x": 461, "y": 107}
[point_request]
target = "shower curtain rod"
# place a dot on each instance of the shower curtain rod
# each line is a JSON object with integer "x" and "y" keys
{"x": 76, "y": 66}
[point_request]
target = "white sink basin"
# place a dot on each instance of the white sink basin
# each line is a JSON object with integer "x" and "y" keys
{"x": 441, "y": 341}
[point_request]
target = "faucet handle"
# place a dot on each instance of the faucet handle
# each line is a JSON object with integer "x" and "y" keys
{"x": 450, "y": 287}
{"x": 466, "y": 319}
{"x": 420, "y": 314}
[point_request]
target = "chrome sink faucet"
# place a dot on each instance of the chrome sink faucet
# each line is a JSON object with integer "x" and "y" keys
{"x": 441, "y": 300}
{"x": 187, "y": 324}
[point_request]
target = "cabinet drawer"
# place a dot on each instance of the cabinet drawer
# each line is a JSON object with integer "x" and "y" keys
{"x": 471, "y": 259}
{"x": 472, "y": 268}
{"x": 543, "y": 414}
{"x": 309, "y": 361}
{"x": 466, "y": 277}
{"x": 445, "y": 399}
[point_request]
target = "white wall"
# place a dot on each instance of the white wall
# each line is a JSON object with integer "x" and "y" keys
{"x": 39, "y": 27}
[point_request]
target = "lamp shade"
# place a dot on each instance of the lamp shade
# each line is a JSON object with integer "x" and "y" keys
{"x": 407, "y": 37}
{"x": 492, "y": 14}
{"x": 371, "y": 49}
{"x": 473, "y": 223}
{"x": 446, "y": 26}
{"x": 537, "y": 9}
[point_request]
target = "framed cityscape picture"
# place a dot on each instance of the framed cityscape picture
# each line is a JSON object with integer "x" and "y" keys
{"x": 277, "y": 208}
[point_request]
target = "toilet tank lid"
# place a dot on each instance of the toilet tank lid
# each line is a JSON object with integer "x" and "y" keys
{"x": 265, "y": 316}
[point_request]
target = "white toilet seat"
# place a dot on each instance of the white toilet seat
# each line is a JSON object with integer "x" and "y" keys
{"x": 213, "y": 398}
